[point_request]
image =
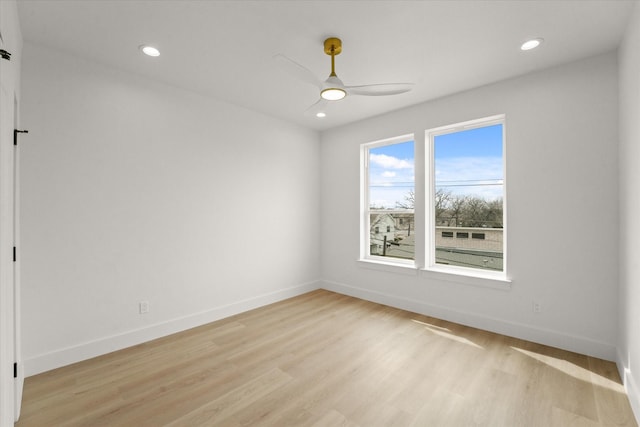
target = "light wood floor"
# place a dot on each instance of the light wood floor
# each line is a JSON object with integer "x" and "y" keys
{"x": 324, "y": 359}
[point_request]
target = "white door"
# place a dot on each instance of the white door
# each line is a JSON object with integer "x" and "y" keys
{"x": 7, "y": 301}
{"x": 17, "y": 340}
{"x": 11, "y": 378}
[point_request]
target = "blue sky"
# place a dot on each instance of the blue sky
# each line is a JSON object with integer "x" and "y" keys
{"x": 480, "y": 142}
{"x": 470, "y": 162}
{"x": 466, "y": 163}
{"x": 391, "y": 174}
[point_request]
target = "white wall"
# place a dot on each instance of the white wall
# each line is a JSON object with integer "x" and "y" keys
{"x": 629, "y": 301}
{"x": 562, "y": 158}
{"x": 133, "y": 190}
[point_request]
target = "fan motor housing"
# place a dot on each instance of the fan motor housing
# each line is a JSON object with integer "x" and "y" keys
{"x": 332, "y": 45}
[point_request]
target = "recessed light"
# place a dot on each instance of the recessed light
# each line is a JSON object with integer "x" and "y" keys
{"x": 321, "y": 114}
{"x": 149, "y": 50}
{"x": 531, "y": 44}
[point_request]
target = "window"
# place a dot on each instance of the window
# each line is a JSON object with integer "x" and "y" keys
{"x": 466, "y": 183}
{"x": 388, "y": 200}
{"x": 460, "y": 200}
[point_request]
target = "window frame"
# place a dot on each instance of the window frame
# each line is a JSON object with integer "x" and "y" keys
{"x": 424, "y": 215}
{"x": 430, "y": 190}
{"x": 365, "y": 209}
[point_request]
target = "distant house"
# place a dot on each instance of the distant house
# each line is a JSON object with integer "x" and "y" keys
{"x": 470, "y": 247}
{"x": 404, "y": 221}
{"x": 382, "y": 226}
{"x": 475, "y": 238}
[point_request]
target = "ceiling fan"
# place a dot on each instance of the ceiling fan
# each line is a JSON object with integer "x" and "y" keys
{"x": 332, "y": 89}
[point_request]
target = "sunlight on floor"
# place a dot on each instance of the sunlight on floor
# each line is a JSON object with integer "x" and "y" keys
{"x": 574, "y": 370}
{"x": 446, "y": 333}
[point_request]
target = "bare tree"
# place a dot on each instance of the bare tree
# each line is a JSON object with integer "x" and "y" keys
{"x": 409, "y": 201}
{"x": 456, "y": 208}
{"x": 460, "y": 211}
{"x": 475, "y": 212}
{"x": 442, "y": 201}
{"x": 494, "y": 215}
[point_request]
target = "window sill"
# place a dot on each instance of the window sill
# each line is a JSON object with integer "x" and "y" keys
{"x": 484, "y": 279}
{"x": 390, "y": 267}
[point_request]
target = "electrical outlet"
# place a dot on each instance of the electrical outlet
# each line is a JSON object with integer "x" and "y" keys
{"x": 144, "y": 307}
{"x": 537, "y": 308}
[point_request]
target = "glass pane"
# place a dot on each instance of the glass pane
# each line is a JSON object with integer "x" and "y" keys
{"x": 469, "y": 184}
{"x": 399, "y": 240}
{"x": 391, "y": 200}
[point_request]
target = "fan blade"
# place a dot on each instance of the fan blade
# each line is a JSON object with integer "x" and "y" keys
{"x": 380, "y": 89}
{"x": 319, "y": 107}
{"x": 297, "y": 70}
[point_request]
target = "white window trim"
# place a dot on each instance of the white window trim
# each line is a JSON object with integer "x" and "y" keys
{"x": 364, "y": 205}
{"x": 468, "y": 276}
{"x": 423, "y": 148}
{"x": 464, "y": 274}
{"x": 388, "y": 267}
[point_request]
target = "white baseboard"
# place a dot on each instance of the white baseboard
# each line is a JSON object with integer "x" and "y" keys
{"x": 87, "y": 350}
{"x": 633, "y": 393}
{"x": 576, "y": 344}
{"x": 630, "y": 386}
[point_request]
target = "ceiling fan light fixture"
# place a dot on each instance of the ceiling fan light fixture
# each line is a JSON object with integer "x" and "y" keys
{"x": 333, "y": 89}
{"x": 333, "y": 94}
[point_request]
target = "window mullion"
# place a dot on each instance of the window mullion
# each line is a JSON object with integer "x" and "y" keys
{"x": 421, "y": 202}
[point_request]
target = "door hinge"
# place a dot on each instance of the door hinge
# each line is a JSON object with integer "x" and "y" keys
{"x": 5, "y": 55}
{"x": 15, "y": 254}
{"x": 15, "y": 370}
{"x": 15, "y": 135}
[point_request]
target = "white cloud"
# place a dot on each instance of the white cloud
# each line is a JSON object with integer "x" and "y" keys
{"x": 388, "y": 174}
{"x": 469, "y": 168}
{"x": 388, "y": 197}
{"x": 390, "y": 162}
{"x": 479, "y": 172}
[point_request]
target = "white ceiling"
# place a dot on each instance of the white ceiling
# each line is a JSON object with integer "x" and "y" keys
{"x": 225, "y": 48}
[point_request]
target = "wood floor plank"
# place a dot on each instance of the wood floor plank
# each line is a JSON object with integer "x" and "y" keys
{"x": 334, "y": 418}
{"x": 234, "y": 401}
{"x": 610, "y": 397}
{"x": 325, "y": 359}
